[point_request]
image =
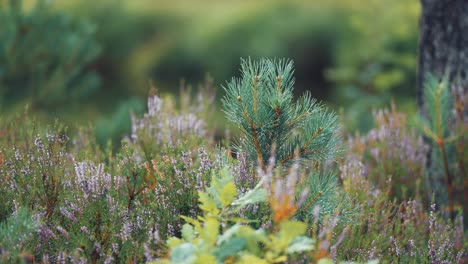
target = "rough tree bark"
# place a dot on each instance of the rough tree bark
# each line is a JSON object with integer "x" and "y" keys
{"x": 443, "y": 52}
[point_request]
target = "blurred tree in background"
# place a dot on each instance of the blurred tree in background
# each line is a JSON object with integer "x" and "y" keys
{"x": 375, "y": 58}
{"x": 356, "y": 55}
{"x": 45, "y": 57}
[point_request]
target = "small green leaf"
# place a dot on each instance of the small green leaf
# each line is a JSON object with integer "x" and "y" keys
{"x": 205, "y": 259}
{"x": 173, "y": 242}
{"x": 251, "y": 259}
{"x": 256, "y": 195}
{"x": 280, "y": 259}
{"x": 288, "y": 231}
{"x": 242, "y": 220}
{"x": 227, "y": 194}
{"x": 211, "y": 231}
{"x": 325, "y": 261}
{"x": 188, "y": 233}
{"x": 208, "y": 205}
{"x": 193, "y": 222}
{"x": 291, "y": 229}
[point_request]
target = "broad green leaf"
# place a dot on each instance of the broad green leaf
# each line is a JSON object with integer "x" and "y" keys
{"x": 300, "y": 244}
{"x": 184, "y": 253}
{"x": 228, "y": 234}
{"x": 253, "y": 237}
{"x": 230, "y": 248}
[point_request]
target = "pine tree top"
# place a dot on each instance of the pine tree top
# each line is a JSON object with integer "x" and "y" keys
{"x": 262, "y": 104}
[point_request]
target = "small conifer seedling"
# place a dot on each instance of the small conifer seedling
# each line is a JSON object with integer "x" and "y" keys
{"x": 261, "y": 103}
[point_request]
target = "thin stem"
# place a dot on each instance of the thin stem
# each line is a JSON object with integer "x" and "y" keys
{"x": 448, "y": 179}
{"x": 312, "y": 201}
{"x": 255, "y": 93}
{"x": 303, "y": 149}
{"x": 254, "y": 135}
{"x": 441, "y": 144}
{"x": 297, "y": 119}
{"x": 278, "y": 85}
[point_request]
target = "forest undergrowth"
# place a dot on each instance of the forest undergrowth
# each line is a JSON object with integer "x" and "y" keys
{"x": 292, "y": 187}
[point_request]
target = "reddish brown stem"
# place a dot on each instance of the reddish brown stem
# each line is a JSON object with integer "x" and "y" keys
{"x": 255, "y": 136}
{"x": 448, "y": 179}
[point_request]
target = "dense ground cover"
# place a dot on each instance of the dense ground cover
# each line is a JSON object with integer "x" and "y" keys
{"x": 294, "y": 189}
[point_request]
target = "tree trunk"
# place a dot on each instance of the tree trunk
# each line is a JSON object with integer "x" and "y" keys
{"x": 443, "y": 52}
{"x": 443, "y": 42}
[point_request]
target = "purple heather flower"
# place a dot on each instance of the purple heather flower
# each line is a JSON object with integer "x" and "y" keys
{"x": 92, "y": 179}
{"x": 62, "y": 231}
{"x": 67, "y": 214}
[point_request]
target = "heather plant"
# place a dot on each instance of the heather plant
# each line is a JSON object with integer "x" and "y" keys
{"x": 94, "y": 205}
{"x": 168, "y": 146}
{"x": 387, "y": 163}
{"x": 163, "y": 127}
{"x": 394, "y": 155}
{"x": 34, "y": 169}
{"x": 392, "y": 231}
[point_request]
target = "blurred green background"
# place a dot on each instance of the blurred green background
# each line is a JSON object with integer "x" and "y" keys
{"x": 90, "y": 62}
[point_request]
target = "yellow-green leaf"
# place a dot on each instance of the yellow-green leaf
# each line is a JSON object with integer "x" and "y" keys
{"x": 211, "y": 230}
{"x": 250, "y": 259}
{"x": 325, "y": 261}
{"x": 193, "y": 222}
{"x": 173, "y": 242}
{"x": 205, "y": 259}
{"x": 227, "y": 194}
{"x": 188, "y": 234}
{"x": 288, "y": 231}
{"x": 280, "y": 259}
{"x": 208, "y": 205}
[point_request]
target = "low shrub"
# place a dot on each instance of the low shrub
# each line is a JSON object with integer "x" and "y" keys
{"x": 171, "y": 194}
